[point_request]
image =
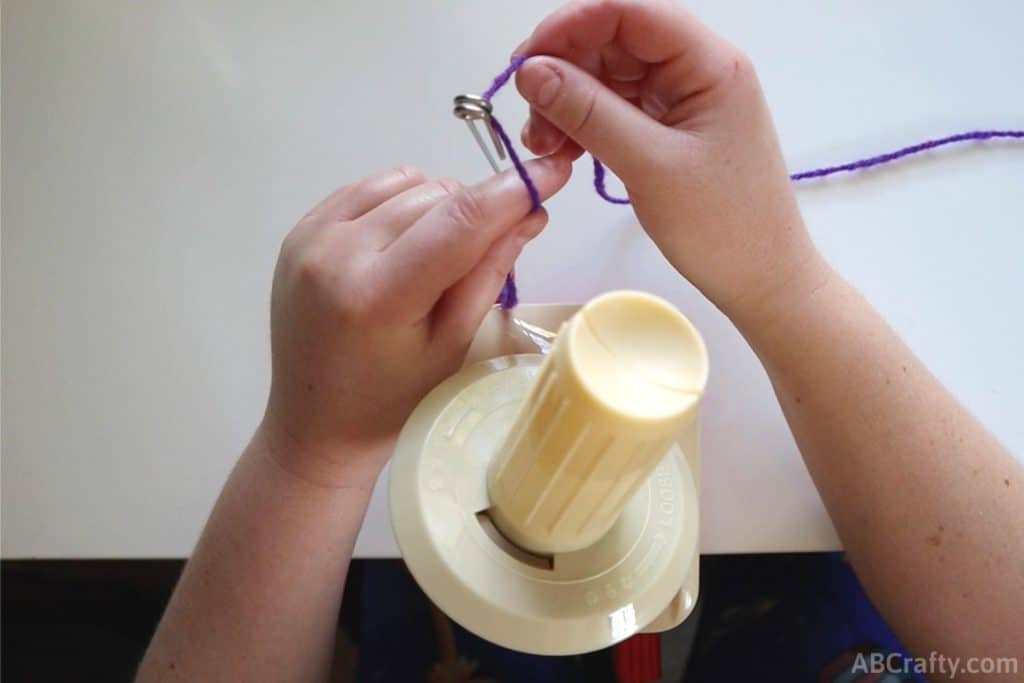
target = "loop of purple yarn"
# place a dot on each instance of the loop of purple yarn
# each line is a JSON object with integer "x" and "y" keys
{"x": 508, "y": 297}
{"x": 599, "y": 187}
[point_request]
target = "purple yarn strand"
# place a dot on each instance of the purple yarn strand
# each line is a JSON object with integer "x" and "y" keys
{"x": 501, "y": 79}
{"x": 508, "y": 297}
{"x": 517, "y": 163}
{"x": 889, "y": 157}
{"x": 599, "y": 187}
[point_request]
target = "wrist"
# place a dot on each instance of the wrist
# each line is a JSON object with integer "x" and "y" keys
{"x": 334, "y": 464}
{"x": 780, "y": 305}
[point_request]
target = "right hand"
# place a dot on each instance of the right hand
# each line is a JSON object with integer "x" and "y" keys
{"x": 678, "y": 114}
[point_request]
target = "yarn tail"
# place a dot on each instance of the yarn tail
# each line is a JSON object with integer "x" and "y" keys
{"x": 509, "y": 297}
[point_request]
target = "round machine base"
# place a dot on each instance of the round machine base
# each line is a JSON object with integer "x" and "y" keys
{"x": 553, "y": 605}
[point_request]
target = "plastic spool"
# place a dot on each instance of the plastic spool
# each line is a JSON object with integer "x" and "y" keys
{"x": 549, "y": 503}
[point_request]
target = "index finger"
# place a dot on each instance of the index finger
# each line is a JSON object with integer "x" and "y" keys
{"x": 654, "y": 32}
{"x": 451, "y": 238}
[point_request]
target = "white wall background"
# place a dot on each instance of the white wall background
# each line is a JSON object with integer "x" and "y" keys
{"x": 155, "y": 153}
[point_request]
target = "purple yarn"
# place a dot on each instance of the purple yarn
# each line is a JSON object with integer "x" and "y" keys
{"x": 517, "y": 163}
{"x": 858, "y": 165}
{"x": 889, "y": 157}
{"x": 501, "y": 79}
{"x": 508, "y": 297}
{"x": 599, "y": 187}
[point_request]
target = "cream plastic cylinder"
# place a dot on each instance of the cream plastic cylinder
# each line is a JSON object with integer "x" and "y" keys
{"x": 623, "y": 378}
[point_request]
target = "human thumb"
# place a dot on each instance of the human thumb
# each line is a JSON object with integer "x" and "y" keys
{"x": 598, "y": 119}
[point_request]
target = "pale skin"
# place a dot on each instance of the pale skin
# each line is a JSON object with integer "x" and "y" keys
{"x": 379, "y": 288}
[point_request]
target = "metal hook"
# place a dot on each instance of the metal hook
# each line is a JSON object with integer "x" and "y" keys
{"x": 473, "y": 108}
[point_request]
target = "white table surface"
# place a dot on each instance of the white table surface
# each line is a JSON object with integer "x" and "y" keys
{"x": 155, "y": 153}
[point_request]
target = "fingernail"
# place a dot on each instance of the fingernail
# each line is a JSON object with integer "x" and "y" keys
{"x": 557, "y": 161}
{"x": 518, "y": 52}
{"x": 527, "y": 133}
{"x": 528, "y": 233}
{"x": 540, "y": 85}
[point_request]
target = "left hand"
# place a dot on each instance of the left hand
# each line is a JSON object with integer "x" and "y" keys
{"x": 377, "y": 294}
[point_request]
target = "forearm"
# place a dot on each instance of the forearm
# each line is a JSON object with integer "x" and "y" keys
{"x": 927, "y": 503}
{"x": 377, "y": 293}
{"x": 259, "y": 598}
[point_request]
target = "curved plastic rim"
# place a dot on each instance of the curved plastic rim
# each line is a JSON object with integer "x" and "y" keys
{"x": 592, "y": 598}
